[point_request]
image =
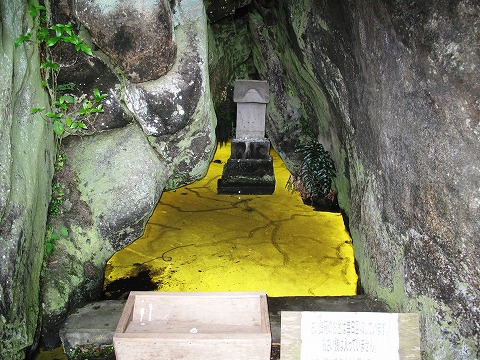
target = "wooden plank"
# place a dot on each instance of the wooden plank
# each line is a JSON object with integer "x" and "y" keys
{"x": 290, "y": 336}
{"x": 408, "y": 327}
{"x": 207, "y": 349}
{"x": 189, "y": 327}
{"x": 126, "y": 316}
{"x": 225, "y": 308}
{"x": 157, "y": 325}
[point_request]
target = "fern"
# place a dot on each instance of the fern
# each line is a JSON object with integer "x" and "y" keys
{"x": 316, "y": 170}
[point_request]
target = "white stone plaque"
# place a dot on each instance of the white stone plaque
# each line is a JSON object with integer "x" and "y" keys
{"x": 349, "y": 336}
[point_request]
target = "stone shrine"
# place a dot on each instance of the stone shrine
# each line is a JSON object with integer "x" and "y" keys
{"x": 249, "y": 170}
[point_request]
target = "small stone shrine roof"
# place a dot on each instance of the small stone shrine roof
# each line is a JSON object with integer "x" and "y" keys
{"x": 251, "y": 91}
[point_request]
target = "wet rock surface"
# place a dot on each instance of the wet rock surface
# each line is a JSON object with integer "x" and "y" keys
{"x": 143, "y": 52}
{"x": 26, "y": 169}
{"x": 390, "y": 89}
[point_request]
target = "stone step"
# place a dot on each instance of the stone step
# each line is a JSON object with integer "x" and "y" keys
{"x": 91, "y": 328}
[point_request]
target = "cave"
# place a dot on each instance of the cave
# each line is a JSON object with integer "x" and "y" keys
{"x": 389, "y": 88}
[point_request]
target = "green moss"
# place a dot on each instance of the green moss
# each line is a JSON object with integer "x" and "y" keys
{"x": 27, "y": 151}
{"x": 94, "y": 351}
{"x": 300, "y": 11}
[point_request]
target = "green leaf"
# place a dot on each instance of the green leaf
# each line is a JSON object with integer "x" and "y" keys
{"x": 68, "y": 122}
{"x": 61, "y": 28}
{"x": 58, "y": 29}
{"x": 49, "y": 248}
{"x": 63, "y": 87}
{"x": 72, "y": 39}
{"x": 99, "y": 96}
{"x": 36, "y": 110}
{"x": 35, "y": 9}
{"x": 52, "y": 41}
{"x": 87, "y": 104}
{"x": 50, "y": 65}
{"x": 21, "y": 39}
{"x": 63, "y": 231}
{"x": 68, "y": 99}
{"x": 53, "y": 236}
{"x": 61, "y": 103}
{"x": 84, "y": 48}
{"x": 82, "y": 125}
{"x": 43, "y": 34}
{"x": 58, "y": 128}
{"x": 53, "y": 115}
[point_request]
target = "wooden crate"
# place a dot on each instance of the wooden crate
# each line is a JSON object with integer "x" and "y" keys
{"x": 193, "y": 326}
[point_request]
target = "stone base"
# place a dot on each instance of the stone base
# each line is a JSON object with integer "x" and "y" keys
{"x": 248, "y": 177}
{"x": 244, "y": 188}
{"x": 250, "y": 149}
{"x": 249, "y": 170}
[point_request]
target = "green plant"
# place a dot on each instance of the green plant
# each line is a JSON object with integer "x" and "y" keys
{"x": 313, "y": 178}
{"x": 56, "y": 200}
{"x": 52, "y": 237}
{"x": 68, "y": 113}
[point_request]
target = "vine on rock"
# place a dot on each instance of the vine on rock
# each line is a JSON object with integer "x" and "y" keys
{"x": 68, "y": 113}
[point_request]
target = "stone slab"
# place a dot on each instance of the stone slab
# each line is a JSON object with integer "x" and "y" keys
{"x": 250, "y": 121}
{"x": 236, "y": 188}
{"x": 92, "y": 325}
{"x": 250, "y": 176}
{"x": 251, "y": 91}
{"x": 250, "y": 149}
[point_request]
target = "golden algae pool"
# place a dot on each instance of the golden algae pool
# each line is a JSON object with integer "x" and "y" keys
{"x": 197, "y": 240}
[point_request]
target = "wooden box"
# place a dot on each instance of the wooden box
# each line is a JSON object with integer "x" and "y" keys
{"x": 194, "y": 326}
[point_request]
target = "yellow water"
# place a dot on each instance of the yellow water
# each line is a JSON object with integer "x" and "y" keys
{"x": 197, "y": 240}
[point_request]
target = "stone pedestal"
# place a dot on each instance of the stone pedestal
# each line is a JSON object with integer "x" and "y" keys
{"x": 249, "y": 170}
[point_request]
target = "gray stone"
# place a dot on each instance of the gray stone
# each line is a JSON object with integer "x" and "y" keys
{"x": 26, "y": 167}
{"x": 114, "y": 181}
{"x": 251, "y": 91}
{"x": 217, "y": 10}
{"x": 251, "y": 97}
{"x": 137, "y": 35}
{"x": 88, "y": 73}
{"x": 390, "y": 89}
{"x": 91, "y": 327}
{"x": 249, "y": 170}
{"x": 176, "y": 109}
{"x": 250, "y": 149}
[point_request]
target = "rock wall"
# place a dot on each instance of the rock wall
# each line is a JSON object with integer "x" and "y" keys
{"x": 157, "y": 133}
{"x": 26, "y": 157}
{"x": 416, "y": 198}
{"x": 391, "y": 89}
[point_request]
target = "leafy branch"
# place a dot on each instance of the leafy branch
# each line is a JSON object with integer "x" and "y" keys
{"x": 68, "y": 113}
